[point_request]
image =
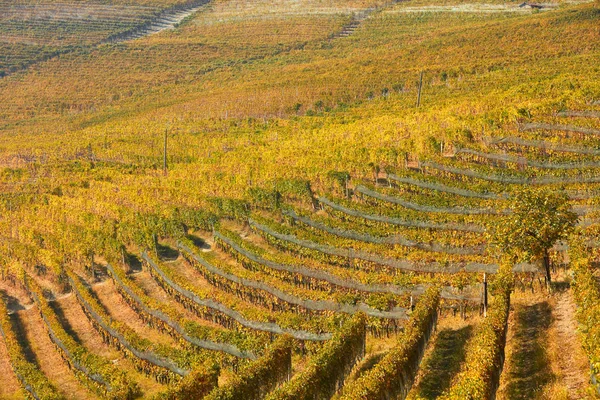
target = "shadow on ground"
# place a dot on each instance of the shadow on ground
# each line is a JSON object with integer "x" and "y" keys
{"x": 444, "y": 362}
{"x": 529, "y": 366}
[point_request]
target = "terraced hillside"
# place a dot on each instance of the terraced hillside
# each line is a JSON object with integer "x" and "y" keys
{"x": 253, "y": 206}
{"x": 33, "y": 31}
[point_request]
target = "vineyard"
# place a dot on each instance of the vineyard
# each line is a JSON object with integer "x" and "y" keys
{"x": 311, "y": 199}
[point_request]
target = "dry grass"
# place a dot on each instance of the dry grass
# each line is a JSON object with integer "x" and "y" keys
{"x": 544, "y": 358}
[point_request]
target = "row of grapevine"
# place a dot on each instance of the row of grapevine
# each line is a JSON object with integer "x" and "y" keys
{"x": 586, "y": 290}
{"x": 474, "y": 155}
{"x": 392, "y": 377}
{"x": 388, "y": 240}
{"x": 303, "y": 304}
{"x": 139, "y": 349}
{"x": 479, "y": 376}
{"x": 560, "y": 128}
{"x": 218, "y": 312}
{"x": 95, "y": 372}
{"x": 261, "y": 376}
{"x": 541, "y": 180}
{"x": 350, "y": 256}
{"x": 327, "y": 370}
{"x": 166, "y": 319}
{"x": 423, "y": 208}
{"x": 32, "y": 379}
{"x": 440, "y": 187}
{"x": 252, "y": 258}
{"x": 345, "y": 211}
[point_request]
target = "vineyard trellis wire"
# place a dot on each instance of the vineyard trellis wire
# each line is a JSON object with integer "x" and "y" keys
{"x": 447, "y": 292}
{"x": 395, "y": 239}
{"x": 389, "y": 262}
{"x": 205, "y": 344}
{"x": 120, "y": 341}
{"x": 230, "y": 313}
{"x": 445, "y": 188}
{"x": 429, "y": 209}
{"x": 316, "y": 305}
{"x": 401, "y": 222}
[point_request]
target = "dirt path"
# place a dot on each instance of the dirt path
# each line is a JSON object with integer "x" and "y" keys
{"x": 359, "y": 17}
{"x": 442, "y": 359}
{"x": 572, "y": 361}
{"x": 38, "y": 343}
{"x": 544, "y": 357}
{"x": 10, "y": 385}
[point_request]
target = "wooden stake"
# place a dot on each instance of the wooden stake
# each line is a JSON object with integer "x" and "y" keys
{"x": 485, "y": 295}
{"x": 165, "y": 153}
{"x": 420, "y": 88}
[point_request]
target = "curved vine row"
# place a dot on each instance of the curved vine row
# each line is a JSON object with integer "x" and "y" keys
{"x": 163, "y": 368}
{"x": 392, "y": 377}
{"x": 95, "y": 372}
{"x": 228, "y": 313}
{"x": 169, "y": 321}
{"x": 284, "y": 241}
{"x": 251, "y": 260}
{"x": 261, "y": 376}
{"x": 328, "y": 369}
{"x": 544, "y": 180}
{"x": 30, "y": 376}
{"x": 445, "y": 188}
{"x": 312, "y": 305}
{"x": 400, "y": 222}
{"x": 429, "y": 209}
{"x": 393, "y": 240}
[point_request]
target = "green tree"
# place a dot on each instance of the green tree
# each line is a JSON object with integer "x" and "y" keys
{"x": 539, "y": 219}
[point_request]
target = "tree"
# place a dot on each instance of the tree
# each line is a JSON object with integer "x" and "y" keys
{"x": 539, "y": 219}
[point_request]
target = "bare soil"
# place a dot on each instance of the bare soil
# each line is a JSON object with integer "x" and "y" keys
{"x": 10, "y": 385}
{"x": 84, "y": 332}
{"x": 39, "y": 345}
{"x": 571, "y": 360}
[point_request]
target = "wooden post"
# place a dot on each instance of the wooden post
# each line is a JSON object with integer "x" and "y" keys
{"x": 420, "y": 88}
{"x": 165, "y": 153}
{"x": 485, "y": 295}
{"x": 346, "y": 189}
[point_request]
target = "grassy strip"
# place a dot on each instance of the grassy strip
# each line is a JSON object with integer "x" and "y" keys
{"x": 480, "y": 374}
